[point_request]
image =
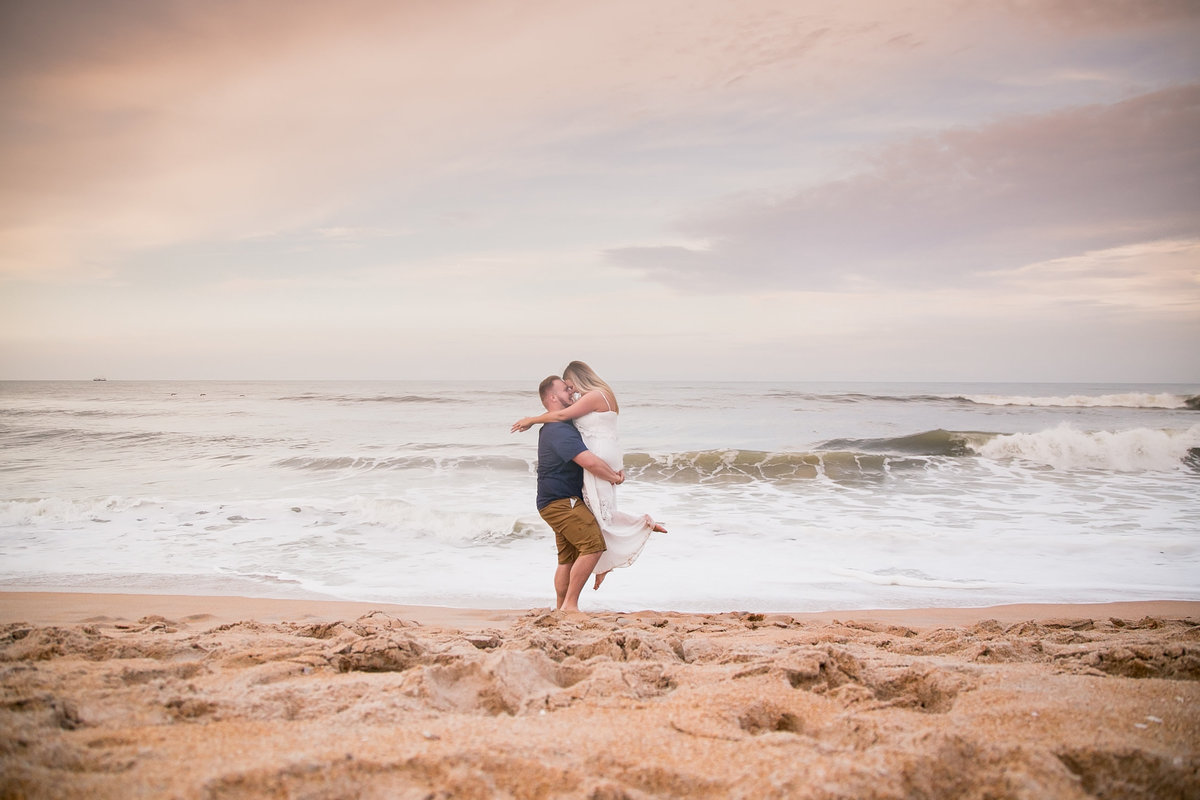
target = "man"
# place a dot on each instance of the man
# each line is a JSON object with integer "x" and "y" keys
{"x": 562, "y": 458}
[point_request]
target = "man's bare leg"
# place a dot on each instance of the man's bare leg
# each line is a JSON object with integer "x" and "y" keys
{"x": 562, "y": 581}
{"x": 580, "y": 570}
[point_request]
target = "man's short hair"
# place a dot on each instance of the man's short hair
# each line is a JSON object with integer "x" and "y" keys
{"x": 546, "y": 385}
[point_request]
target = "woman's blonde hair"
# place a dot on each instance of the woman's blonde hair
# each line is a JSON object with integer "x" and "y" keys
{"x": 585, "y": 380}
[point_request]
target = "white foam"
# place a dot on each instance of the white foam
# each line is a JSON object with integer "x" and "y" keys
{"x": 913, "y": 579}
{"x": 1126, "y": 400}
{"x": 1067, "y": 448}
{"x": 434, "y": 505}
{"x": 57, "y": 510}
{"x": 450, "y": 525}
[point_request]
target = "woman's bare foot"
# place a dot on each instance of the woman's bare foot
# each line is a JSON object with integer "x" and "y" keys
{"x": 599, "y": 580}
{"x": 654, "y": 526}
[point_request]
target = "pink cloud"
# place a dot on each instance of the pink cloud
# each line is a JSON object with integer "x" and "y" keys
{"x": 966, "y": 201}
{"x": 1108, "y": 15}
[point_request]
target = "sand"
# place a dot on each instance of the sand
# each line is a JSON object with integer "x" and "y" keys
{"x": 125, "y": 696}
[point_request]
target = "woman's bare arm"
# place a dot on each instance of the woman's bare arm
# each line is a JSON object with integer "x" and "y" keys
{"x": 592, "y": 401}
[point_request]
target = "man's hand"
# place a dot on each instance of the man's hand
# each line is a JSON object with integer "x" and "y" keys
{"x": 599, "y": 467}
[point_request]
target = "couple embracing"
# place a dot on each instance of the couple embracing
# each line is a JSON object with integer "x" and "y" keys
{"x": 579, "y": 467}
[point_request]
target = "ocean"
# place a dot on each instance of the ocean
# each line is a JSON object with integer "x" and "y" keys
{"x": 777, "y": 496}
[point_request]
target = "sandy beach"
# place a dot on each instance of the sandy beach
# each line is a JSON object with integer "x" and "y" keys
{"x": 120, "y": 696}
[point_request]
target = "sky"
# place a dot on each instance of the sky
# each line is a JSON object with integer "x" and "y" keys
{"x": 881, "y": 190}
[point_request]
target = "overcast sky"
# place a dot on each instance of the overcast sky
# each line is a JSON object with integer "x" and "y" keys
{"x": 750, "y": 189}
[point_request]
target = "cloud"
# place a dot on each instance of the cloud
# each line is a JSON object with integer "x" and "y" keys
{"x": 126, "y": 126}
{"x": 961, "y": 203}
{"x": 1108, "y": 15}
{"x": 1160, "y": 279}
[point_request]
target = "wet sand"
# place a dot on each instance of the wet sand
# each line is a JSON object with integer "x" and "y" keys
{"x": 119, "y": 696}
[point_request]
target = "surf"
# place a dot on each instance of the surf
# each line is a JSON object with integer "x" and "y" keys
{"x": 1066, "y": 447}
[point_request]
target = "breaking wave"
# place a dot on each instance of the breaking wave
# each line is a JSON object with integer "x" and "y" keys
{"x": 1128, "y": 400}
{"x": 1067, "y": 448}
{"x": 52, "y": 510}
{"x": 1148, "y": 400}
{"x": 747, "y": 466}
{"x": 1063, "y": 448}
{"x": 929, "y": 443}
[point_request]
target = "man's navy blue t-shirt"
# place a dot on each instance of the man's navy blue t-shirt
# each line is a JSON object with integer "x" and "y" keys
{"x": 557, "y": 475}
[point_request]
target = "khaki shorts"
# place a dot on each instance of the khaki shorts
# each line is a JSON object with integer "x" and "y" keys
{"x": 576, "y": 531}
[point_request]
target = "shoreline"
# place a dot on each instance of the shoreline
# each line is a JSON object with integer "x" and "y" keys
{"x": 66, "y": 608}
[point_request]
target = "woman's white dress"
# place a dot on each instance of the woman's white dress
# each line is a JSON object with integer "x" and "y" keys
{"x": 624, "y": 534}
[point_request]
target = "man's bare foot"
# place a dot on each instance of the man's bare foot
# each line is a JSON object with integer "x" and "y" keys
{"x": 599, "y": 580}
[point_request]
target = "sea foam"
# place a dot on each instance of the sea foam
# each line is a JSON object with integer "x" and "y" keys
{"x": 1066, "y": 448}
{"x": 803, "y": 497}
{"x": 1124, "y": 400}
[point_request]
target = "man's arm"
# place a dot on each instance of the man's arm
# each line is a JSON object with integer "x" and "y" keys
{"x": 599, "y": 467}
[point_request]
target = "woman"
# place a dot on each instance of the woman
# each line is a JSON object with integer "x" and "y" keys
{"x": 595, "y": 412}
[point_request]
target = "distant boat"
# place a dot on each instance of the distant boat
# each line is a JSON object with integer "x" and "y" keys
{"x": 99, "y": 379}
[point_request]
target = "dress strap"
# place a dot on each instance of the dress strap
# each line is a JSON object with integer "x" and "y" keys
{"x": 606, "y": 403}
